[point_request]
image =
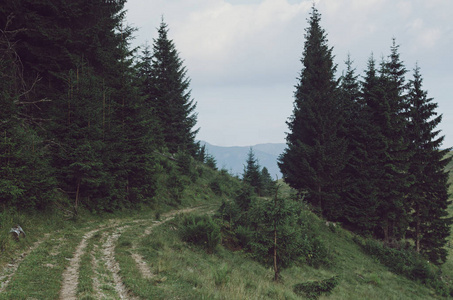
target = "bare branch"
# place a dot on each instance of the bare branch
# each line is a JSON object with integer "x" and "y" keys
{"x": 32, "y": 102}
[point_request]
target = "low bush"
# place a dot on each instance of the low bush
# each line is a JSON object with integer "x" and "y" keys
{"x": 314, "y": 289}
{"x": 315, "y": 252}
{"x": 215, "y": 187}
{"x": 200, "y": 230}
{"x": 221, "y": 275}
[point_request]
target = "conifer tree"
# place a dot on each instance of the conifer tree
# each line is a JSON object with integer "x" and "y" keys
{"x": 277, "y": 239}
{"x": 429, "y": 194}
{"x": 315, "y": 153}
{"x": 171, "y": 97}
{"x": 359, "y": 192}
{"x": 395, "y": 182}
{"x": 252, "y": 174}
{"x": 268, "y": 184}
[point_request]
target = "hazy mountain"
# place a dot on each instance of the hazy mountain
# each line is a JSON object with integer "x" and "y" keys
{"x": 233, "y": 158}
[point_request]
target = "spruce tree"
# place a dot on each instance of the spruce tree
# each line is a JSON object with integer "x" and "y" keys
{"x": 359, "y": 191}
{"x": 315, "y": 153}
{"x": 429, "y": 194}
{"x": 268, "y": 184}
{"x": 172, "y": 99}
{"x": 392, "y": 122}
{"x": 252, "y": 174}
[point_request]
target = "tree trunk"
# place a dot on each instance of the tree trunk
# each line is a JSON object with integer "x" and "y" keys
{"x": 275, "y": 252}
{"x": 77, "y": 197}
{"x": 386, "y": 232}
{"x": 417, "y": 228}
{"x": 275, "y": 238}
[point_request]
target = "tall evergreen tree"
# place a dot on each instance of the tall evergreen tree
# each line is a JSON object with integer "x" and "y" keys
{"x": 359, "y": 191}
{"x": 315, "y": 153}
{"x": 171, "y": 97}
{"x": 395, "y": 182}
{"x": 429, "y": 193}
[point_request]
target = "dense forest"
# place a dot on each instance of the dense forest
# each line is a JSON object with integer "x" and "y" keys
{"x": 84, "y": 115}
{"x": 85, "y": 118}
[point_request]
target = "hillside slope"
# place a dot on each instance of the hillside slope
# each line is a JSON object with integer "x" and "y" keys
{"x": 139, "y": 254}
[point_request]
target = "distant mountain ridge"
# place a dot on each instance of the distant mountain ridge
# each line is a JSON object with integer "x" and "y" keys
{"x": 233, "y": 158}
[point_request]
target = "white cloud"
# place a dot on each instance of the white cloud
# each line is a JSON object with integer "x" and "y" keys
{"x": 224, "y": 37}
{"x": 234, "y": 47}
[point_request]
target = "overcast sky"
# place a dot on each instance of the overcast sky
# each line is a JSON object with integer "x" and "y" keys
{"x": 243, "y": 56}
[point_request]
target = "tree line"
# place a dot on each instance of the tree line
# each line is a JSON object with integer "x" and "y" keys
{"x": 83, "y": 114}
{"x": 365, "y": 150}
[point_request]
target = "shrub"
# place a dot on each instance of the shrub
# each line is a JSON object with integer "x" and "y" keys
{"x": 200, "y": 230}
{"x": 244, "y": 236}
{"x": 314, "y": 289}
{"x": 221, "y": 275}
{"x": 215, "y": 187}
{"x": 175, "y": 187}
{"x": 315, "y": 252}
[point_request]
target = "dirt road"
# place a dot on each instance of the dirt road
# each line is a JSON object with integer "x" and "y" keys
{"x": 79, "y": 264}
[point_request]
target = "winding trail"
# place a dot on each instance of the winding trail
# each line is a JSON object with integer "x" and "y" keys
{"x": 106, "y": 281}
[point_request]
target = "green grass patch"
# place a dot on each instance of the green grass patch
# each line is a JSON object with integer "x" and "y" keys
{"x": 39, "y": 275}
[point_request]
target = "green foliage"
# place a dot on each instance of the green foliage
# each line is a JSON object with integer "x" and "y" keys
{"x": 267, "y": 183}
{"x": 175, "y": 188}
{"x": 252, "y": 224}
{"x": 314, "y": 289}
{"x": 200, "y": 230}
{"x": 214, "y": 185}
{"x": 169, "y": 95}
{"x": 244, "y": 198}
{"x": 429, "y": 194}
{"x": 211, "y": 162}
{"x": 252, "y": 174}
{"x": 276, "y": 219}
{"x": 316, "y": 148}
{"x": 221, "y": 275}
{"x": 405, "y": 262}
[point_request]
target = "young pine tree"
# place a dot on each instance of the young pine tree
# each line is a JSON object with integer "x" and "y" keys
{"x": 252, "y": 174}
{"x": 429, "y": 194}
{"x": 315, "y": 153}
{"x": 268, "y": 184}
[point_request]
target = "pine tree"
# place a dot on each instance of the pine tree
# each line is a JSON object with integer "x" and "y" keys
{"x": 268, "y": 184}
{"x": 429, "y": 193}
{"x": 252, "y": 174}
{"x": 395, "y": 182}
{"x": 171, "y": 97}
{"x": 146, "y": 88}
{"x": 315, "y": 153}
{"x": 359, "y": 192}
{"x": 277, "y": 240}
